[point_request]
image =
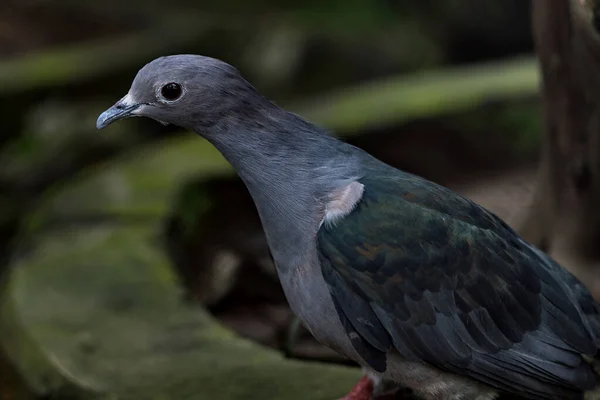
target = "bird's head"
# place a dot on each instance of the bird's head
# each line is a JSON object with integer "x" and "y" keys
{"x": 190, "y": 91}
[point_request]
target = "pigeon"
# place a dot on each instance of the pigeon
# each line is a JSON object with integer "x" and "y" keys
{"x": 420, "y": 286}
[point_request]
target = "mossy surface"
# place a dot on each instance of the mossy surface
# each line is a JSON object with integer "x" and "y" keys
{"x": 92, "y": 309}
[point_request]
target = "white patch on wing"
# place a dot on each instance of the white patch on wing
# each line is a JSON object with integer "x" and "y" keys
{"x": 342, "y": 202}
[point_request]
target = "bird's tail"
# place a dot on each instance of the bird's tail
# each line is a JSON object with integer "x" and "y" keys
{"x": 589, "y": 309}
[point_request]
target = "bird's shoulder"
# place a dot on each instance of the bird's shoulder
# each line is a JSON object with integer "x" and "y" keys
{"x": 418, "y": 224}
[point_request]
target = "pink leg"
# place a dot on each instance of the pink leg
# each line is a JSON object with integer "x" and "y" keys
{"x": 362, "y": 391}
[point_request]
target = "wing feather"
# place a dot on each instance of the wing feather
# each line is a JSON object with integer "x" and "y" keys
{"x": 442, "y": 280}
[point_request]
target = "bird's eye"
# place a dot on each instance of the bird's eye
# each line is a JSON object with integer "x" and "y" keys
{"x": 171, "y": 91}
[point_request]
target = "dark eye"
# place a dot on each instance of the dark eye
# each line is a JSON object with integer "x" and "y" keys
{"x": 171, "y": 91}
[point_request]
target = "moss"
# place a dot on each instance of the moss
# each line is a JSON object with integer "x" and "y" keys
{"x": 138, "y": 186}
{"x": 102, "y": 312}
{"x": 93, "y": 309}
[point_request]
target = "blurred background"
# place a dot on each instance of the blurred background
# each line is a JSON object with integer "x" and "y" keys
{"x": 133, "y": 264}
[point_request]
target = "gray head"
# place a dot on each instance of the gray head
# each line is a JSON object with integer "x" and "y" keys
{"x": 287, "y": 163}
{"x": 190, "y": 91}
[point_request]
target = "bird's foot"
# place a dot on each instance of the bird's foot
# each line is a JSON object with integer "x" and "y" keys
{"x": 362, "y": 391}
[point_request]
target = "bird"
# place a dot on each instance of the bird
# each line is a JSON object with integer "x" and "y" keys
{"x": 420, "y": 286}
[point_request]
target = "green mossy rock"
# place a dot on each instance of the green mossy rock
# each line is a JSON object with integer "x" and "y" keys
{"x": 92, "y": 308}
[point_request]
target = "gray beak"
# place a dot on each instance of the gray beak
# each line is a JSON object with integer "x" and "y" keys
{"x": 118, "y": 111}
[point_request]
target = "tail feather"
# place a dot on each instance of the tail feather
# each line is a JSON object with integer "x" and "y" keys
{"x": 589, "y": 309}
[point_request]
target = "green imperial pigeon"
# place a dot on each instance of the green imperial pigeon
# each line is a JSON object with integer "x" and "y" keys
{"x": 420, "y": 286}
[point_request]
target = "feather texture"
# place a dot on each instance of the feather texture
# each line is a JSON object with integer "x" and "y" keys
{"x": 449, "y": 283}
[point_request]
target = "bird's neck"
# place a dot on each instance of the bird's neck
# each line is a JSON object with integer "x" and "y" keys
{"x": 289, "y": 167}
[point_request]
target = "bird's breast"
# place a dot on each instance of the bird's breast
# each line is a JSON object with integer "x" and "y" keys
{"x": 309, "y": 298}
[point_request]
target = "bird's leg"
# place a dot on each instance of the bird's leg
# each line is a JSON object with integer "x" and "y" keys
{"x": 362, "y": 391}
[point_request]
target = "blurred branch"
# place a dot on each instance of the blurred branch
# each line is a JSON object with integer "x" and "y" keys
{"x": 81, "y": 62}
{"x": 432, "y": 93}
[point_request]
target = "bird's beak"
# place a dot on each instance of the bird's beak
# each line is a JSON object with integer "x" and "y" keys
{"x": 121, "y": 109}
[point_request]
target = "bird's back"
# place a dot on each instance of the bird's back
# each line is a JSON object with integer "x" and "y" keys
{"x": 443, "y": 280}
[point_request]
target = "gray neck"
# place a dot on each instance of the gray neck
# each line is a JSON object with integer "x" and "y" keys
{"x": 289, "y": 167}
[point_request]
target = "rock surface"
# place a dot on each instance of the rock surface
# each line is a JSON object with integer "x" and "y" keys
{"x": 92, "y": 308}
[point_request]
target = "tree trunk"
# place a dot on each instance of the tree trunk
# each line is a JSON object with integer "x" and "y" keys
{"x": 565, "y": 216}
